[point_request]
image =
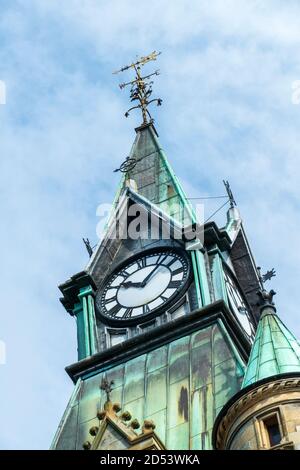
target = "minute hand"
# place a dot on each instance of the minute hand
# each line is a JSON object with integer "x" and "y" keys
{"x": 149, "y": 275}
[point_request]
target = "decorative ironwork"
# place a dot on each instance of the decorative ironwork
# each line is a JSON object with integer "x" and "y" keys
{"x": 141, "y": 86}
{"x": 230, "y": 194}
{"x": 88, "y": 246}
{"x": 267, "y": 276}
{"x": 265, "y": 297}
{"x": 127, "y": 165}
{"x": 107, "y": 387}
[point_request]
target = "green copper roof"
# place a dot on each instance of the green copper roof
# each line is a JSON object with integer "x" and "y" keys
{"x": 154, "y": 177}
{"x": 275, "y": 350}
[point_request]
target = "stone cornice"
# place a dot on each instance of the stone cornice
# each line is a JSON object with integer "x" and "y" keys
{"x": 71, "y": 289}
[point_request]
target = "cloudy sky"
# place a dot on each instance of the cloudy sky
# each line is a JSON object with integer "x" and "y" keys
{"x": 227, "y": 74}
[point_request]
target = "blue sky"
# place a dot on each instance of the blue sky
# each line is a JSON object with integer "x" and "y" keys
{"x": 227, "y": 71}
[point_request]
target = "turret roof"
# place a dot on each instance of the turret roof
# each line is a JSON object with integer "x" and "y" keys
{"x": 275, "y": 349}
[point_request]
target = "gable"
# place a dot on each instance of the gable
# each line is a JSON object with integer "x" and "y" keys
{"x": 111, "y": 440}
{"x": 117, "y": 245}
{"x": 117, "y": 430}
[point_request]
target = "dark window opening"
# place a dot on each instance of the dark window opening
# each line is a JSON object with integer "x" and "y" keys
{"x": 147, "y": 326}
{"x": 273, "y": 430}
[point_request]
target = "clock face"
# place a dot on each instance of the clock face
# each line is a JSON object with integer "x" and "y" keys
{"x": 237, "y": 304}
{"x": 144, "y": 286}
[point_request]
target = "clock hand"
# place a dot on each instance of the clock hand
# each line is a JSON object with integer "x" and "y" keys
{"x": 149, "y": 275}
{"x": 132, "y": 284}
{"x": 142, "y": 284}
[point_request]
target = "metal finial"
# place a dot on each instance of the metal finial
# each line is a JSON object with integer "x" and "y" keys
{"x": 141, "y": 87}
{"x": 88, "y": 246}
{"x": 230, "y": 194}
{"x": 266, "y": 298}
{"x": 107, "y": 387}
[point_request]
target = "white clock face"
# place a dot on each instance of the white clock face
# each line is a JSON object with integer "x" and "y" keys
{"x": 237, "y": 303}
{"x": 144, "y": 286}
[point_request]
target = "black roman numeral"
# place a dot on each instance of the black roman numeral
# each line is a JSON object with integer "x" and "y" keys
{"x": 163, "y": 298}
{"x": 113, "y": 299}
{"x": 174, "y": 284}
{"x": 124, "y": 274}
{"x": 141, "y": 263}
{"x": 113, "y": 312}
{"x": 128, "y": 313}
{"x": 177, "y": 271}
{"x": 146, "y": 309}
{"x": 161, "y": 259}
{"x": 171, "y": 262}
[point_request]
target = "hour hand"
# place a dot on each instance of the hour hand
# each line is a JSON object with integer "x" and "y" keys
{"x": 132, "y": 284}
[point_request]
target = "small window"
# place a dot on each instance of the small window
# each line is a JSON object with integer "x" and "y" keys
{"x": 147, "y": 326}
{"x": 178, "y": 313}
{"x": 272, "y": 430}
{"x": 115, "y": 337}
{"x": 179, "y": 309}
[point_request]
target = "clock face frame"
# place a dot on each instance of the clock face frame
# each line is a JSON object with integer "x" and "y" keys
{"x": 144, "y": 286}
{"x": 237, "y": 303}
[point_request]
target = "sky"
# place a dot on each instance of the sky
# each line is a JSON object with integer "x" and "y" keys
{"x": 229, "y": 72}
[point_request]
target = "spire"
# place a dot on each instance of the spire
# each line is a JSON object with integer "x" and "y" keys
{"x": 275, "y": 349}
{"x": 148, "y": 171}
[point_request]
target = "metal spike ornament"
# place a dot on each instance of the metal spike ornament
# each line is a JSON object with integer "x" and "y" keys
{"x": 106, "y": 386}
{"x": 141, "y": 86}
{"x": 88, "y": 246}
{"x": 229, "y": 193}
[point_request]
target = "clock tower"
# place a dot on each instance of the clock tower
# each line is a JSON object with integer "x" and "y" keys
{"x": 165, "y": 310}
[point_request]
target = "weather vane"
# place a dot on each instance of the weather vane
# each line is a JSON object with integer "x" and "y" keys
{"x": 141, "y": 86}
{"x": 230, "y": 194}
{"x": 267, "y": 276}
